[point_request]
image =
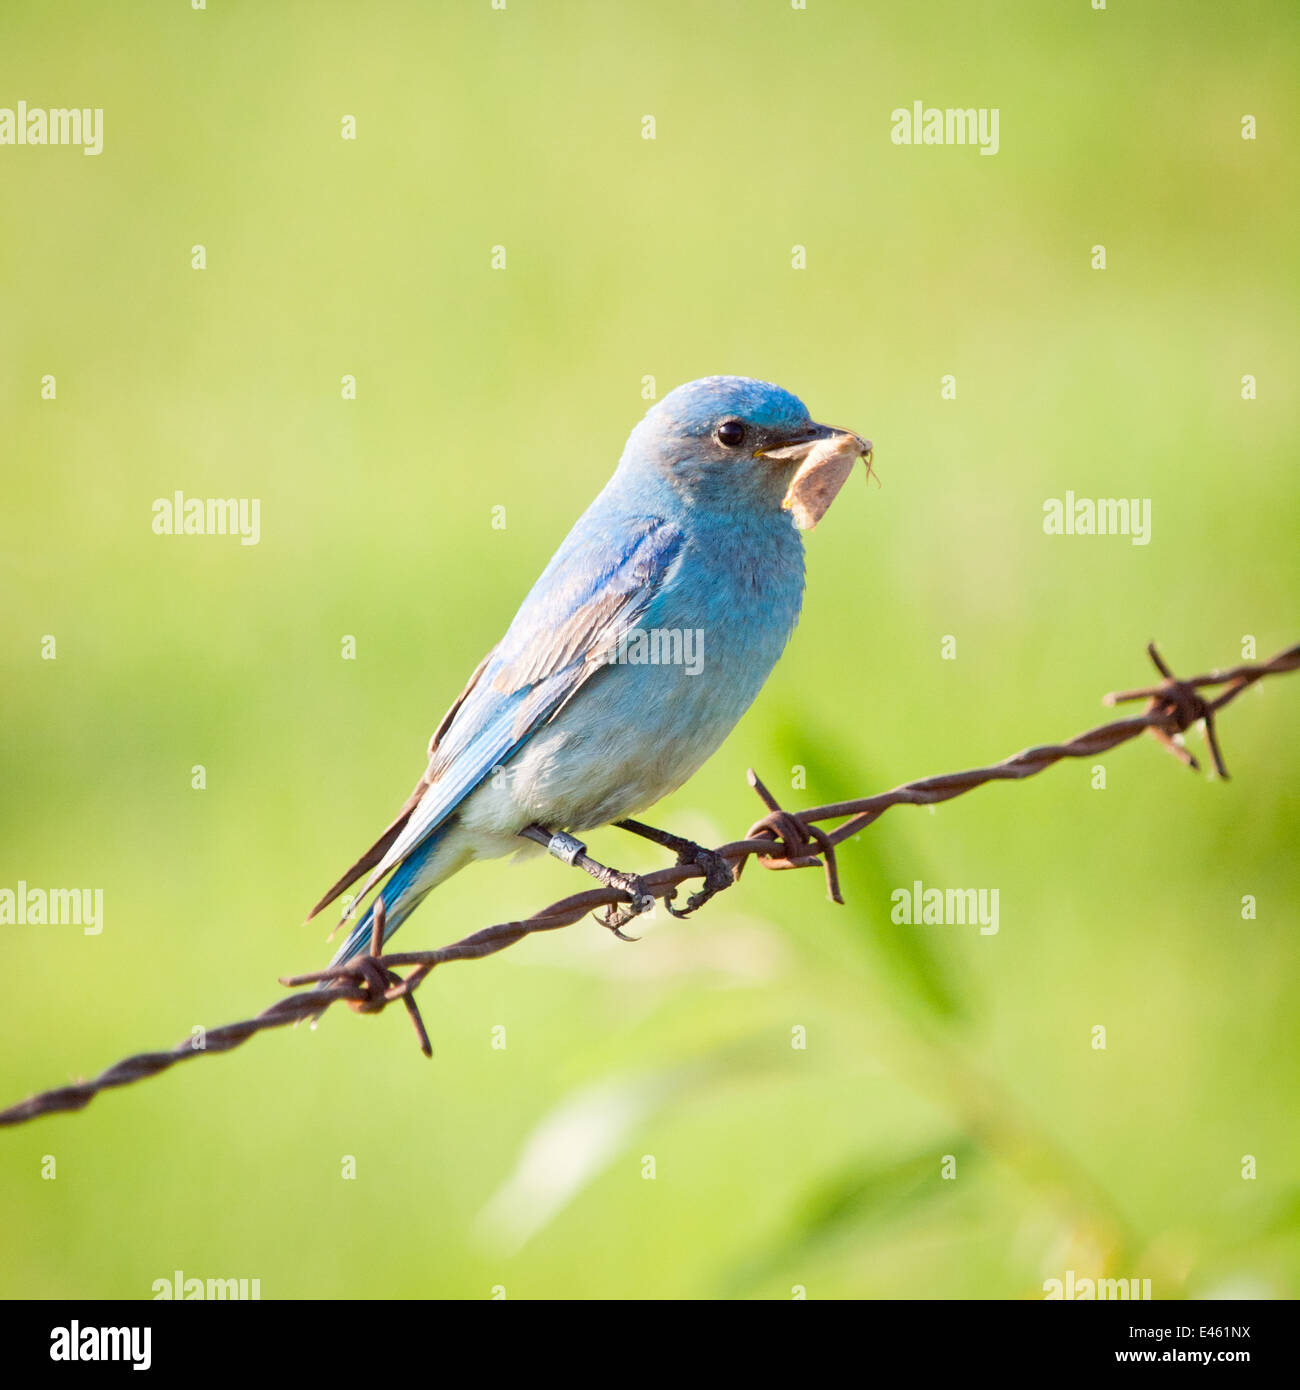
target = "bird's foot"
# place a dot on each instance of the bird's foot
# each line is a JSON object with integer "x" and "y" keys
{"x": 718, "y": 875}
{"x": 572, "y": 851}
{"x": 618, "y": 915}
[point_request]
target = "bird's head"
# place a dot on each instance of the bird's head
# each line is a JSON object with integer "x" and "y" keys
{"x": 728, "y": 442}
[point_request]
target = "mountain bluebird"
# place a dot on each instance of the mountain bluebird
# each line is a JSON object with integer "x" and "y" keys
{"x": 646, "y": 638}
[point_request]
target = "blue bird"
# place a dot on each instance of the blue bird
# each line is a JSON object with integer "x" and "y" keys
{"x": 643, "y": 642}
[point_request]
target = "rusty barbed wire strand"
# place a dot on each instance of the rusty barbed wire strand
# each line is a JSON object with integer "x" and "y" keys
{"x": 780, "y": 840}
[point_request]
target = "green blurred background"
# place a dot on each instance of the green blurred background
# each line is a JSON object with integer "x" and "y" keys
{"x": 775, "y": 1168}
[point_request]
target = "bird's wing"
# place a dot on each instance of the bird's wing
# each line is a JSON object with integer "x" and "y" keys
{"x": 594, "y": 591}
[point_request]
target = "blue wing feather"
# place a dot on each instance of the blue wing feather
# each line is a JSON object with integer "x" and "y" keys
{"x": 595, "y": 589}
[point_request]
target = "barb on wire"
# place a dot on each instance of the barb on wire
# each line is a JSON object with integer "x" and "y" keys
{"x": 779, "y": 840}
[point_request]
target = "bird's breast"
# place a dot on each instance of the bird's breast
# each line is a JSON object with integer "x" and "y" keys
{"x": 670, "y": 691}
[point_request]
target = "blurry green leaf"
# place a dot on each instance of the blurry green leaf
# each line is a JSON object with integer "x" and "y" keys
{"x": 856, "y": 1203}
{"x": 868, "y": 874}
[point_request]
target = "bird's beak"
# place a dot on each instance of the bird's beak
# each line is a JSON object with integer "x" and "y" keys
{"x": 824, "y": 458}
{"x": 796, "y": 447}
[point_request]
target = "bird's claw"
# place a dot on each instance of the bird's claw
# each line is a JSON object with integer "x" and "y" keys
{"x": 618, "y": 915}
{"x": 718, "y": 875}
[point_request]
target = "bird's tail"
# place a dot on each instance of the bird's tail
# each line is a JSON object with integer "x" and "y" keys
{"x": 400, "y": 899}
{"x": 404, "y": 890}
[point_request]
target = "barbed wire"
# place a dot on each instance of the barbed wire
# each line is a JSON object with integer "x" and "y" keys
{"x": 779, "y": 840}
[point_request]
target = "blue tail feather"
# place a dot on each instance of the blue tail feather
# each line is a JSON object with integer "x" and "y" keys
{"x": 400, "y": 900}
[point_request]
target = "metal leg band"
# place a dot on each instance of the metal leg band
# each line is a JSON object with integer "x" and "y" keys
{"x": 566, "y": 848}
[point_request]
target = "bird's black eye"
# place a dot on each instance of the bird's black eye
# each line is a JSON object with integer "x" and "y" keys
{"x": 730, "y": 433}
